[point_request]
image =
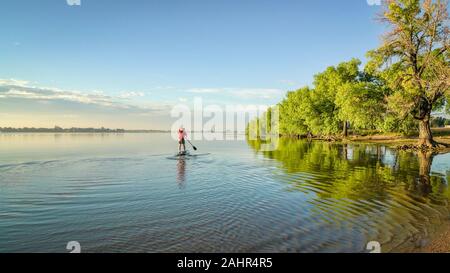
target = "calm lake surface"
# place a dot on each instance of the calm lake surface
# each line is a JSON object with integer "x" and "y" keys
{"x": 126, "y": 193}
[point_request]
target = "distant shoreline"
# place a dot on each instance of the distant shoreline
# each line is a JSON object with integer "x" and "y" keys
{"x": 76, "y": 130}
{"x": 126, "y": 132}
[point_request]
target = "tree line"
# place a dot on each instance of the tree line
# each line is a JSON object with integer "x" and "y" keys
{"x": 404, "y": 81}
{"x": 58, "y": 129}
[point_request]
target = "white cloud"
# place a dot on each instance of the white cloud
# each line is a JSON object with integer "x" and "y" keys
{"x": 257, "y": 93}
{"x": 131, "y": 94}
{"x": 374, "y": 2}
{"x": 47, "y": 94}
{"x": 18, "y": 89}
{"x": 13, "y": 82}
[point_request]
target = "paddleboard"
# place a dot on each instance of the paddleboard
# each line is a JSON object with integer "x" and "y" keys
{"x": 186, "y": 155}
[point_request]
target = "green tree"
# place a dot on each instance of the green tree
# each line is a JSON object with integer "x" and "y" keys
{"x": 414, "y": 60}
{"x": 362, "y": 103}
{"x": 253, "y": 129}
{"x": 324, "y": 115}
{"x": 294, "y": 110}
{"x": 342, "y": 95}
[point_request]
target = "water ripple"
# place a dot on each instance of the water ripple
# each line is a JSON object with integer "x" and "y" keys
{"x": 315, "y": 200}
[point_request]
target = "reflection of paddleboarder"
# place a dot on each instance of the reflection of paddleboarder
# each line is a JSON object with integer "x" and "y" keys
{"x": 182, "y": 135}
{"x": 181, "y": 174}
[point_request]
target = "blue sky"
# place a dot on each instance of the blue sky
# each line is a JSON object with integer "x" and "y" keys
{"x": 157, "y": 53}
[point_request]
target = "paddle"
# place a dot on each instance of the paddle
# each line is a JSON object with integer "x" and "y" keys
{"x": 195, "y": 148}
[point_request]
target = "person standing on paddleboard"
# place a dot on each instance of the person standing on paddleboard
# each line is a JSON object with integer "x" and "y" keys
{"x": 182, "y": 135}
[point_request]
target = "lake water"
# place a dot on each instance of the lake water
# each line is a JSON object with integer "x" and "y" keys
{"x": 126, "y": 193}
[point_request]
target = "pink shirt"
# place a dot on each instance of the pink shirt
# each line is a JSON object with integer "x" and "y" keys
{"x": 181, "y": 134}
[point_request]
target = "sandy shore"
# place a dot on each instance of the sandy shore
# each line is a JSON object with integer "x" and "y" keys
{"x": 394, "y": 141}
{"x": 440, "y": 243}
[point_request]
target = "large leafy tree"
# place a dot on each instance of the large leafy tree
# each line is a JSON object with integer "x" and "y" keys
{"x": 341, "y": 95}
{"x": 361, "y": 102}
{"x": 325, "y": 118}
{"x": 294, "y": 112}
{"x": 414, "y": 60}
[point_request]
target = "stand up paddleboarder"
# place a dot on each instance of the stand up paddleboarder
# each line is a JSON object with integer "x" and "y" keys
{"x": 182, "y": 135}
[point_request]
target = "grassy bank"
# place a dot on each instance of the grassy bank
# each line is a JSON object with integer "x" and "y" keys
{"x": 441, "y": 135}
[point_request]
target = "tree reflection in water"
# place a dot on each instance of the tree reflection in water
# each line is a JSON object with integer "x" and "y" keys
{"x": 393, "y": 194}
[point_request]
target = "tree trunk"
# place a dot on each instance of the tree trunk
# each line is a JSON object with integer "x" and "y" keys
{"x": 425, "y": 161}
{"x": 345, "y": 151}
{"x": 345, "y": 131}
{"x": 379, "y": 153}
{"x": 425, "y": 135}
